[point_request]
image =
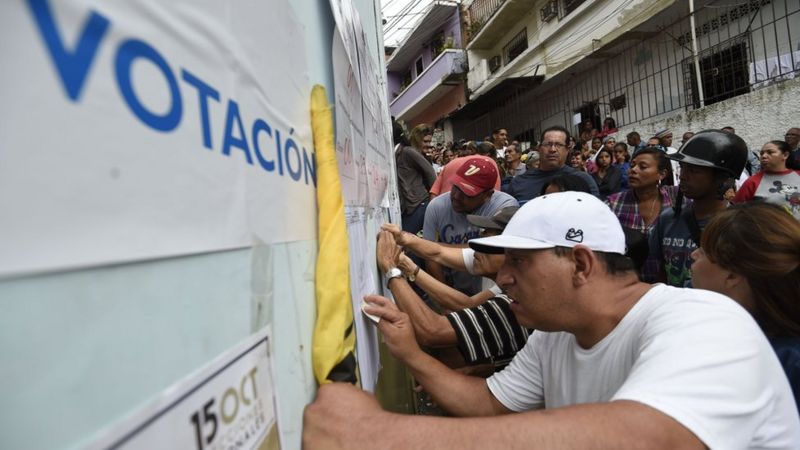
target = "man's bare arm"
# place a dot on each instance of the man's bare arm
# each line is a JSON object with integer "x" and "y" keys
{"x": 344, "y": 417}
{"x": 448, "y": 297}
{"x": 450, "y": 256}
{"x": 431, "y": 329}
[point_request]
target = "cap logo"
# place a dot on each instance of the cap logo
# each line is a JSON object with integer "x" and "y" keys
{"x": 574, "y": 235}
{"x": 472, "y": 170}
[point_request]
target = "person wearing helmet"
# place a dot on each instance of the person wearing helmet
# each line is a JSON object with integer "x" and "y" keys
{"x": 707, "y": 161}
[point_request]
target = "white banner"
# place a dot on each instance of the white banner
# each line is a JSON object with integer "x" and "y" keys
{"x": 228, "y": 404}
{"x": 138, "y": 130}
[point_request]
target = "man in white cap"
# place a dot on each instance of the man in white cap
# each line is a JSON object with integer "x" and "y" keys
{"x": 615, "y": 362}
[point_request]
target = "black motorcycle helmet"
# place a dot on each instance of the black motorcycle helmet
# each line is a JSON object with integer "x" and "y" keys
{"x": 716, "y": 149}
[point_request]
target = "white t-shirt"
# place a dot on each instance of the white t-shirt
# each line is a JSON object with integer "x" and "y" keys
{"x": 487, "y": 284}
{"x": 694, "y": 355}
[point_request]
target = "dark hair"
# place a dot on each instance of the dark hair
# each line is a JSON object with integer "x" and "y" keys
{"x": 471, "y": 147}
{"x": 612, "y": 124}
{"x": 614, "y": 262}
{"x": 783, "y": 146}
{"x": 637, "y": 248}
{"x": 761, "y": 242}
{"x": 633, "y": 134}
{"x": 603, "y": 149}
{"x": 567, "y": 182}
{"x": 556, "y": 128}
{"x": 485, "y": 149}
{"x": 398, "y": 136}
{"x": 497, "y": 131}
{"x": 658, "y": 154}
{"x": 625, "y": 147}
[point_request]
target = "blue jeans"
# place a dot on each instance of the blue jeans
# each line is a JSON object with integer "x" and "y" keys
{"x": 413, "y": 222}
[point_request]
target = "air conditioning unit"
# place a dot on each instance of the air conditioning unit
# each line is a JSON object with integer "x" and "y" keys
{"x": 550, "y": 10}
{"x": 494, "y": 63}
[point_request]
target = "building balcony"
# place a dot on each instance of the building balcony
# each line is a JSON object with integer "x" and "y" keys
{"x": 446, "y": 71}
{"x": 494, "y": 18}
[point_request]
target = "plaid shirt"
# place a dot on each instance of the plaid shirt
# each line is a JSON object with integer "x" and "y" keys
{"x": 625, "y": 206}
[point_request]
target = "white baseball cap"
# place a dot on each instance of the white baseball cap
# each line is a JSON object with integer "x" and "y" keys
{"x": 563, "y": 219}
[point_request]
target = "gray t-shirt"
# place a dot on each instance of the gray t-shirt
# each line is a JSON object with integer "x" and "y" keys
{"x": 442, "y": 224}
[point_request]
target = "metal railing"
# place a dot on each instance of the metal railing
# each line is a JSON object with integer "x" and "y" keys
{"x": 480, "y": 11}
{"x": 742, "y": 47}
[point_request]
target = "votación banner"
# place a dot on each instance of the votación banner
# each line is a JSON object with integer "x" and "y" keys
{"x": 139, "y": 130}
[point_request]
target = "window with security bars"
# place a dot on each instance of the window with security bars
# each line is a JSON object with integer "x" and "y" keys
{"x": 723, "y": 71}
{"x": 572, "y": 5}
{"x": 515, "y": 46}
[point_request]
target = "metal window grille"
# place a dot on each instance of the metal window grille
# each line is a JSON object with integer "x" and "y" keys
{"x": 572, "y": 5}
{"x": 723, "y": 71}
{"x": 515, "y": 46}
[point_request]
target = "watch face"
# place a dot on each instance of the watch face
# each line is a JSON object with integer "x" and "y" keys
{"x": 394, "y": 272}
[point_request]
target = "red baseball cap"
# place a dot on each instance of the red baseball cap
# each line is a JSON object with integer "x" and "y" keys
{"x": 476, "y": 175}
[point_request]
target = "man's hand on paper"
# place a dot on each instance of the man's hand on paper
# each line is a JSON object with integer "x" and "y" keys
{"x": 401, "y": 237}
{"x": 396, "y": 327}
{"x": 387, "y": 251}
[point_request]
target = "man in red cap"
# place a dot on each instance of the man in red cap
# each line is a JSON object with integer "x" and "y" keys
{"x": 443, "y": 183}
{"x": 472, "y": 192}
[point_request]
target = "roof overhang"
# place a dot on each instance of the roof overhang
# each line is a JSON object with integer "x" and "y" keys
{"x": 498, "y": 95}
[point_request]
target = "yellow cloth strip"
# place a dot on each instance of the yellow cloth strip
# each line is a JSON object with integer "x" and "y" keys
{"x": 334, "y": 336}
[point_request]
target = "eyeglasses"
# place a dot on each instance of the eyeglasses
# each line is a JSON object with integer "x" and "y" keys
{"x": 557, "y": 145}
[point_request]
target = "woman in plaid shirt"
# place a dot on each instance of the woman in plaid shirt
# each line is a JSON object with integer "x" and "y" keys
{"x": 638, "y": 208}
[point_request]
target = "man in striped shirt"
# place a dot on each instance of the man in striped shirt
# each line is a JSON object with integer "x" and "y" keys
{"x": 486, "y": 332}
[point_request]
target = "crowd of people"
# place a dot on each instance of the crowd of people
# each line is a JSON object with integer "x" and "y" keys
{"x": 621, "y": 294}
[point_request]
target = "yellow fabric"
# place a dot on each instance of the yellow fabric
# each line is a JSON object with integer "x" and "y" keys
{"x": 334, "y": 337}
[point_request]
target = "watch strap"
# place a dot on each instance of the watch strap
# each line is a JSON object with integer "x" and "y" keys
{"x": 413, "y": 277}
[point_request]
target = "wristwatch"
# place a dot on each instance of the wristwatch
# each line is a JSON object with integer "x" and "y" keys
{"x": 394, "y": 272}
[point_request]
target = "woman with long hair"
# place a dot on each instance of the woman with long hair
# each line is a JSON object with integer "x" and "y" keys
{"x": 608, "y": 177}
{"x": 609, "y": 127}
{"x": 421, "y": 137}
{"x": 775, "y": 183}
{"x": 415, "y": 175}
{"x": 751, "y": 253}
